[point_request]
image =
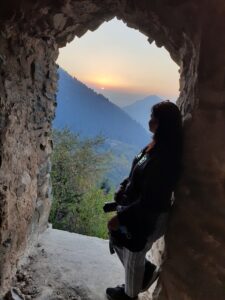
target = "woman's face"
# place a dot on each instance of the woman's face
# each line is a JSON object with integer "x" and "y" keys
{"x": 153, "y": 124}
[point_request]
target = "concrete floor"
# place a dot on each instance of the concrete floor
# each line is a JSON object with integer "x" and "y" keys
{"x": 67, "y": 265}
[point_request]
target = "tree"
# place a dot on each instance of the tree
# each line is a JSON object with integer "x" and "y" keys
{"x": 77, "y": 169}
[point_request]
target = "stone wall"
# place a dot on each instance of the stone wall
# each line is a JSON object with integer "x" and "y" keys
{"x": 27, "y": 100}
{"x": 193, "y": 33}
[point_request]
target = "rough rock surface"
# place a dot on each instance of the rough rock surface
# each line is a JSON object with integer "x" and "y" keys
{"x": 193, "y": 32}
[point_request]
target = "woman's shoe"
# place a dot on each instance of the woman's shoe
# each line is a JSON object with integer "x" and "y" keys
{"x": 118, "y": 293}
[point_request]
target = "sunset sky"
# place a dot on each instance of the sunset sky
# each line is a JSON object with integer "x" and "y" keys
{"x": 119, "y": 62}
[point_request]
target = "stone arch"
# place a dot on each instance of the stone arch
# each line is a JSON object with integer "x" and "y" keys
{"x": 192, "y": 32}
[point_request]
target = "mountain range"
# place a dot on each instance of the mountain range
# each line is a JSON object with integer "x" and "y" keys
{"x": 141, "y": 110}
{"x": 83, "y": 111}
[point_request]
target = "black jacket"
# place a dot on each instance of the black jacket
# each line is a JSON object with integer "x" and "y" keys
{"x": 146, "y": 193}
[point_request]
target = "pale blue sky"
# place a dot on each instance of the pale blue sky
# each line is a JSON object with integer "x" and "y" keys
{"x": 119, "y": 62}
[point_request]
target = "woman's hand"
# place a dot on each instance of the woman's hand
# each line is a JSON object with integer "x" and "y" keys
{"x": 113, "y": 224}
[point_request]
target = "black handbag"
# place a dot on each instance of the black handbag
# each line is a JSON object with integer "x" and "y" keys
{"x": 132, "y": 242}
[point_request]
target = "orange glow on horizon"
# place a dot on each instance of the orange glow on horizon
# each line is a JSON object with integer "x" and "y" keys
{"x": 111, "y": 83}
{"x": 118, "y": 62}
{"x": 106, "y": 81}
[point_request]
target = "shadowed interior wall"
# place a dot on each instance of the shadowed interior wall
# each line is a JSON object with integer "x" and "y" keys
{"x": 193, "y": 33}
{"x": 27, "y": 102}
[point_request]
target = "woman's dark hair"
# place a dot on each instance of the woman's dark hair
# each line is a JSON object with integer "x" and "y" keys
{"x": 168, "y": 135}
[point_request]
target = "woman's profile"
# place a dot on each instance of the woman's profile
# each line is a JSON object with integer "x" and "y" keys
{"x": 144, "y": 201}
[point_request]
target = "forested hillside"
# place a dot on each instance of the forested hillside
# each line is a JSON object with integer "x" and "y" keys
{"x": 85, "y": 112}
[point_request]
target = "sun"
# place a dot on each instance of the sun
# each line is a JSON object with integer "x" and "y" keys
{"x": 105, "y": 81}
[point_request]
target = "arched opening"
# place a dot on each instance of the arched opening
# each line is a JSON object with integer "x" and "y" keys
{"x": 118, "y": 77}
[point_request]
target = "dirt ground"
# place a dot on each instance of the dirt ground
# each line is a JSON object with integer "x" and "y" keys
{"x": 68, "y": 266}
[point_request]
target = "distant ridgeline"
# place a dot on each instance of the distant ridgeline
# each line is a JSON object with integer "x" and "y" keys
{"x": 88, "y": 113}
{"x": 91, "y": 114}
{"x": 141, "y": 110}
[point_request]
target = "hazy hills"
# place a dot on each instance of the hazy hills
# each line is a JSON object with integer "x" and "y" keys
{"x": 141, "y": 110}
{"x": 83, "y": 110}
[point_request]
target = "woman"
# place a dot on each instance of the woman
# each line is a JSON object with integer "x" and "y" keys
{"x": 144, "y": 201}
